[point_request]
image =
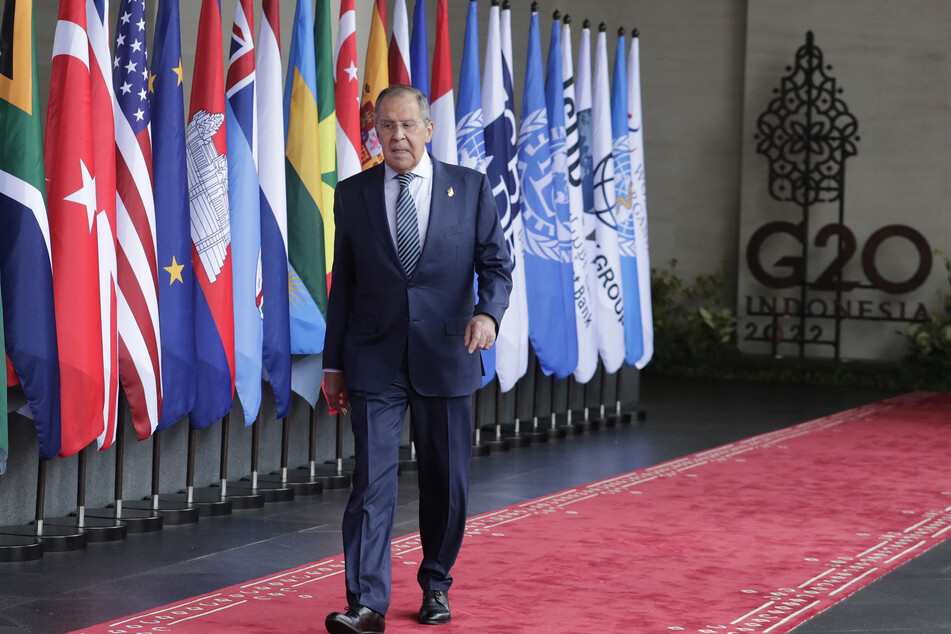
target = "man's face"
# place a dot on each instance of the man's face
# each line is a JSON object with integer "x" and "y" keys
{"x": 402, "y": 132}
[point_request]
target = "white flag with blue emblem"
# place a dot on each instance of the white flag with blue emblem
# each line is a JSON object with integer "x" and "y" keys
{"x": 624, "y": 207}
{"x": 605, "y": 258}
{"x": 511, "y": 361}
{"x": 586, "y": 325}
{"x": 636, "y": 140}
{"x": 547, "y": 253}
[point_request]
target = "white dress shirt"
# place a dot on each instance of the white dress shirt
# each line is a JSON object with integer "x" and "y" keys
{"x": 420, "y": 188}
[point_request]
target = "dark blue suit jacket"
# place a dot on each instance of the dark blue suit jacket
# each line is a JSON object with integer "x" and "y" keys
{"x": 376, "y": 312}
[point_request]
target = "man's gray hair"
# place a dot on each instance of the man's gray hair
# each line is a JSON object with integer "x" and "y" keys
{"x": 402, "y": 90}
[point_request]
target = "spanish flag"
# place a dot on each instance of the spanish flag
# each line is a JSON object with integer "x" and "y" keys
{"x": 374, "y": 81}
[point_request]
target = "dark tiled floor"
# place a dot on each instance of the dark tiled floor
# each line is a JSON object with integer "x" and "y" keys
{"x": 65, "y": 591}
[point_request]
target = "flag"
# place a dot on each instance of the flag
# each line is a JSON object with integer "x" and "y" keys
{"x": 138, "y": 323}
{"x": 104, "y": 151}
{"x": 347, "y": 95}
{"x": 326, "y": 126}
{"x": 470, "y": 140}
{"x": 511, "y": 360}
{"x": 206, "y": 144}
{"x": 547, "y": 247}
{"x": 76, "y": 229}
{"x": 4, "y": 436}
{"x": 642, "y": 247}
{"x": 585, "y": 317}
{"x": 399, "y": 60}
{"x": 244, "y": 204}
{"x": 624, "y": 207}
{"x": 273, "y": 205}
{"x": 173, "y": 237}
{"x": 605, "y": 257}
{"x": 307, "y": 285}
{"x": 441, "y": 109}
{"x": 419, "y": 50}
{"x": 26, "y": 272}
{"x": 375, "y": 79}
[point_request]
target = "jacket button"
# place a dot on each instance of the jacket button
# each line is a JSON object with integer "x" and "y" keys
{"x": 410, "y": 286}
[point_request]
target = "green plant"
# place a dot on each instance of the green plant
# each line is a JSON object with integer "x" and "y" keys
{"x": 692, "y": 327}
{"x": 930, "y": 341}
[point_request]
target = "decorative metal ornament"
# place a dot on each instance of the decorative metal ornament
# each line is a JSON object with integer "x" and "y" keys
{"x": 807, "y": 132}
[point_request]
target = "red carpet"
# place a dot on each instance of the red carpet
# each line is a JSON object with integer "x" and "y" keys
{"x": 754, "y": 536}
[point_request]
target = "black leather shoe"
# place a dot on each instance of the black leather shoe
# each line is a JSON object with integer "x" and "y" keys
{"x": 435, "y": 610}
{"x": 359, "y": 619}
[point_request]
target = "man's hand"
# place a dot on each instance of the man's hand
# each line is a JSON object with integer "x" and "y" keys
{"x": 480, "y": 333}
{"x": 335, "y": 389}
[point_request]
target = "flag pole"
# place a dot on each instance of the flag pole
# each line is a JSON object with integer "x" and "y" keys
{"x": 478, "y": 448}
{"x": 301, "y": 481}
{"x": 171, "y": 511}
{"x": 331, "y": 475}
{"x": 253, "y": 491}
{"x": 21, "y": 543}
{"x": 515, "y": 439}
{"x": 534, "y": 434}
{"x": 210, "y": 501}
{"x": 96, "y": 529}
{"x": 499, "y": 444}
{"x": 136, "y": 520}
{"x": 600, "y": 420}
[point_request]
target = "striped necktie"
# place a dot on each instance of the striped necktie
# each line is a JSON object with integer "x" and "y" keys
{"x": 407, "y": 227}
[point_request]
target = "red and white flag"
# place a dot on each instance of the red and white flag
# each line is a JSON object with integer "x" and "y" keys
{"x": 77, "y": 229}
{"x": 139, "y": 342}
{"x": 442, "y": 108}
{"x": 104, "y": 152}
{"x": 399, "y": 46}
{"x": 347, "y": 93}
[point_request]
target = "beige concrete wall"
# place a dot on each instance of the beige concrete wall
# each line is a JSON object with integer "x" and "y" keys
{"x": 892, "y": 62}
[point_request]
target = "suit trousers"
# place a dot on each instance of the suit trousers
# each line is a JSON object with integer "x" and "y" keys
{"x": 442, "y": 432}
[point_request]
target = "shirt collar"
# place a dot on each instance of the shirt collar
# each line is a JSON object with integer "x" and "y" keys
{"x": 423, "y": 169}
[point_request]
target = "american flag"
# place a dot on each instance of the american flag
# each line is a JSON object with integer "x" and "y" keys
{"x": 138, "y": 319}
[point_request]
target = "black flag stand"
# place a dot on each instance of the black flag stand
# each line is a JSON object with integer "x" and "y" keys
{"x": 534, "y": 434}
{"x": 254, "y": 485}
{"x": 173, "y": 511}
{"x": 582, "y": 424}
{"x": 96, "y": 529}
{"x": 515, "y": 438}
{"x": 303, "y": 481}
{"x": 478, "y": 447}
{"x": 498, "y": 444}
{"x": 136, "y": 520}
{"x": 600, "y": 421}
{"x": 335, "y": 475}
{"x": 18, "y": 547}
{"x": 330, "y": 476}
{"x": 562, "y": 430}
{"x": 211, "y": 501}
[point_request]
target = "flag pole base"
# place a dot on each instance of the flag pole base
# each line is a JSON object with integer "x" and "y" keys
{"x": 136, "y": 520}
{"x": 407, "y": 460}
{"x": 19, "y": 547}
{"x": 206, "y": 499}
{"x": 270, "y": 491}
{"x": 332, "y": 477}
{"x": 97, "y": 529}
{"x": 520, "y": 439}
{"x": 480, "y": 450}
{"x": 55, "y": 539}
{"x": 173, "y": 512}
{"x": 298, "y": 479}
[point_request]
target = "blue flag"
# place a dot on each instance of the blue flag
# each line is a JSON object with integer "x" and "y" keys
{"x": 624, "y": 208}
{"x": 418, "y": 47}
{"x": 470, "y": 139}
{"x": 244, "y": 202}
{"x": 547, "y": 243}
{"x": 172, "y": 224}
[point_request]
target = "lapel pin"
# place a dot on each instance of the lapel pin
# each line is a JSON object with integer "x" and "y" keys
{"x": 450, "y": 193}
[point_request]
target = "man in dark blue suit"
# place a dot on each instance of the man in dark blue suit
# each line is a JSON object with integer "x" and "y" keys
{"x": 404, "y": 328}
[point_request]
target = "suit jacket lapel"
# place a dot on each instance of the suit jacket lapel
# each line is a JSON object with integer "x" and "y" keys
{"x": 375, "y": 206}
{"x": 439, "y": 209}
